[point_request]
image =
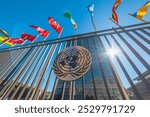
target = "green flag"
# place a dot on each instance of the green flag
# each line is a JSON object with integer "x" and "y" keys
{"x": 68, "y": 15}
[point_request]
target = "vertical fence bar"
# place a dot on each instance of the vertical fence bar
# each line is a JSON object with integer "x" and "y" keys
{"x": 41, "y": 75}
{"x": 54, "y": 89}
{"x": 141, "y": 36}
{"x": 136, "y": 41}
{"x": 133, "y": 50}
{"x": 57, "y": 82}
{"x": 50, "y": 56}
{"x": 130, "y": 61}
{"x": 2, "y": 77}
{"x": 48, "y": 81}
{"x": 127, "y": 76}
{"x": 19, "y": 72}
{"x": 24, "y": 63}
{"x": 63, "y": 91}
{"x": 145, "y": 32}
{"x": 36, "y": 78}
{"x": 31, "y": 62}
{"x": 38, "y": 59}
{"x": 6, "y": 60}
{"x": 4, "y": 80}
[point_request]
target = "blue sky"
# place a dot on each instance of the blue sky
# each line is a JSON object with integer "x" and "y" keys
{"x": 17, "y": 15}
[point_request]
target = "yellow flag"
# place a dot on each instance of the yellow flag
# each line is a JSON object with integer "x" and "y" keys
{"x": 4, "y": 39}
{"x": 142, "y": 11}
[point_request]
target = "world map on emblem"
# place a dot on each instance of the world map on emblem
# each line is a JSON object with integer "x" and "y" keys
{"x": 72, "y": 63}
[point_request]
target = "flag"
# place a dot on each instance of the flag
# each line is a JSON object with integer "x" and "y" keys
{"x": 90, "y": 8}
{"x": 68, "y": 15}
{"x": 41, "y": 31}
{"x": 142, "y": 11}
{"x": 55, "y": 25}
{"x": 4, "y": 39}
{"x": 29, "y": 37}
{"x": 16, "y": 41}
{"x": 114, "y": 14}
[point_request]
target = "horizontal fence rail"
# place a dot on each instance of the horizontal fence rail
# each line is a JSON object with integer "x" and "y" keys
{"x": 26, "y": 71}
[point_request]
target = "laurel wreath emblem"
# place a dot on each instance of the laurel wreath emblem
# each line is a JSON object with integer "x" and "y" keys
{"x": 72, "y": 63}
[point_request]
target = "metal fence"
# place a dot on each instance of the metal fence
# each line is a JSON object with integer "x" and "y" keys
{"x": 26, "y": 71}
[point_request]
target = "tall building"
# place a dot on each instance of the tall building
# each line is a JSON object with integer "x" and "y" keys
{"x": 101, "y": 82}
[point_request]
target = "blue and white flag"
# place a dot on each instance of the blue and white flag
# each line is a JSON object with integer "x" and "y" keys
{"x": 90, "y": 8}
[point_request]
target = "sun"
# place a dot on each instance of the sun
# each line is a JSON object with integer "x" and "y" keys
{"x": 112, "y": 52}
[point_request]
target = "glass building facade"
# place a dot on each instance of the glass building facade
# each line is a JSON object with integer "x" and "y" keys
{"x": 98, "y": 84}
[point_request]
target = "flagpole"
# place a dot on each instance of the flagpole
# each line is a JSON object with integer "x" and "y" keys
{"x": 133, "y": 38}
{"x": 75, "y": 33}
{"x": 60, "y": 33}
{"x": 23, "y": 42}
{"x": 115, "y": 22}
{"x": 20, "y": 44}
{"x": 47, "y": 36}
{"x": 4, "y": 33}
{"x": 36, "y": 38}
{"x": 2, "y": 44}
{"x": 92, "y": 19}
{"x": 144, "y": 21}
{"x": 56, "y": 81}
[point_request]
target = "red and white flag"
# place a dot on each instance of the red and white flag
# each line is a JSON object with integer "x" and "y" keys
{"x": 41, "y": 31}
{"x": 29, "y": 37}
{"x": 16, "y": 41}
{"x": 55, "y": 25}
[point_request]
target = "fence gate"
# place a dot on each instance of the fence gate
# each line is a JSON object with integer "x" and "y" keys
{"x": 26, "y": 71}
